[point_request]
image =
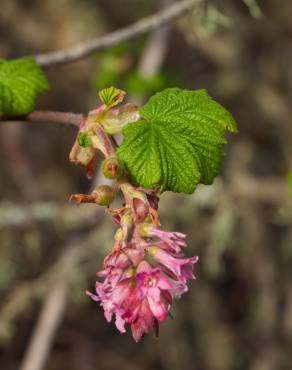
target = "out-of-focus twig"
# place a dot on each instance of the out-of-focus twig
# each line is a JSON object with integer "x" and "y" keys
{"x": 22, "y": 296}
{"x": 56, "y": 281}
{"x": 43, "y": 116}
{"x": 152, "y": 57}
{"x": 15, "y": 215}
{"x": 254, "y": 8}
{"x": 55, "y": 303}
{"x": 141, "y": 27}
{"x": 271, "y": 190}
{"x": 46, "y": 327}
{"x": 155, "y": 50}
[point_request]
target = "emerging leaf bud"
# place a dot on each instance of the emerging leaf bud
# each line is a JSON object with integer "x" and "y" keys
{"x": 111, "y": 96}
{"x": 104, "y": 195}
{"x": 112, "y": 167}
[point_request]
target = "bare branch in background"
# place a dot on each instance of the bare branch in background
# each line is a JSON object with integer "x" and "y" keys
{"x": 57, "y": 281}
{"x": 53, "y": 309}
{"x": 39, "y": 116}
{"x": 25, "y": 215}
{"x": 156, "y": 48}
{"x": 136, "y": 29}
{"x": 47, "y": 325}
{"x": 154, "y": 53}
{"x": 23, "y": 296}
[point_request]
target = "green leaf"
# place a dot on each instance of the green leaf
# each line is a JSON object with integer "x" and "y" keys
{"x": 84, "y": 140}
{"x": 21, "y": 81}
{"x": 179, "y": 141}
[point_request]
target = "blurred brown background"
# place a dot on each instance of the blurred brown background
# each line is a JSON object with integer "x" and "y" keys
{"x": 238, "y": 313}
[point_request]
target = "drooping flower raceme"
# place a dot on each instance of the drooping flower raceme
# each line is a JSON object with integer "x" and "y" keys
{"x": 146, "y": 269}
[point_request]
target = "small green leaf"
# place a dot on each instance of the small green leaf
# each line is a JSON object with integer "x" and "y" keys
{"x": 84, "y": 140}
{"x": 111, "y": 96}
{"x": 21, "y": 81}
{"x": 179, "y": 143}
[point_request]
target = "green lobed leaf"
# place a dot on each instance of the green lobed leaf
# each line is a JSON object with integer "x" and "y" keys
{"x": 21, "y": 81}
{"x": 179, "y": 141}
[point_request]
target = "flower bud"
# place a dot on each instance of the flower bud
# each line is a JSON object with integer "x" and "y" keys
{"x": 119, "y": 235}
{"x": 145, "y": 229}
{"x": 112, "y": 167}
{"x": 104, "y": 195}
{"x": 152, "y": 250}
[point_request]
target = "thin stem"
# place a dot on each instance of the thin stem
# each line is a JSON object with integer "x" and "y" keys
{"x": 43, "y": 116}
{"x": 134, "y": 30}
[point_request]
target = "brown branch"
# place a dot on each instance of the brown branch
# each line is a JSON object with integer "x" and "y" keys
{"x": 51, "y": 313}
{"x": 134, "y": 30}
{"x": 43, "y": 116}
{"x": 24, "y": 215}
{"x": 47, "y": 325}
{"x": 269, "y": 190}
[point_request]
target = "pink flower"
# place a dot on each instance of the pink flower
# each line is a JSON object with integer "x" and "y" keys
{"x": 152, "y": 283}
{"x": 145, "y": 322}
{"x": 181, "y": 267}
{"x": 149, "y": 302}
{"x": 112, "y": 294}
{"x": 137, "y": 293}
{"x": 141, "y": 300}
{"x": 174, "y": 242}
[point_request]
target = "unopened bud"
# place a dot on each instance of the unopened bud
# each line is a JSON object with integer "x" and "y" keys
{"x": 130, "y": 271}
{"x": 152, "y": 250}
{"x": 126, "y": 220}
{"x": 104, "y": 195}
{"x": 145, "y": 229}
{"x": 119, "y": 235}
{"x": 112, "y": 167}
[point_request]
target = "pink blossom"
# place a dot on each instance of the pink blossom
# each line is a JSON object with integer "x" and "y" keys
{"x": 181, "y": 267}
{"x": 174, "y": 242}
{"x": 149, "y": 301}
{"x": 141, "y": 300}
{"x": 145, "y": 322}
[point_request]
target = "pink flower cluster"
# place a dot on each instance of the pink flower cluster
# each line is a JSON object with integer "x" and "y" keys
{"x": 145, "y": 270}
